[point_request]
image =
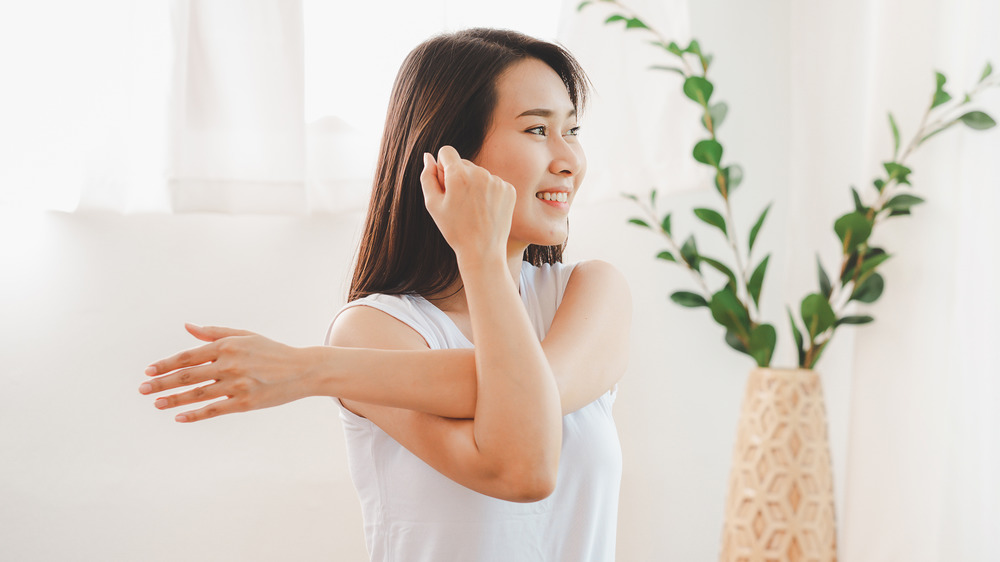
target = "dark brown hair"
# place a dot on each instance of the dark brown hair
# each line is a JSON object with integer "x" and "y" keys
{"x": 445, "y": 94}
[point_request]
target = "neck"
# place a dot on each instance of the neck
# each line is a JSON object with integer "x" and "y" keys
{"x": 453, "y": 298}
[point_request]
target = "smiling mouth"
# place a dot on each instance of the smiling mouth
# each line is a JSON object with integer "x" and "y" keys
{"x": 555, "y": 196}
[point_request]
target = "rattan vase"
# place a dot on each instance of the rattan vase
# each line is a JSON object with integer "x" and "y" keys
{"x": 780, "y": 502}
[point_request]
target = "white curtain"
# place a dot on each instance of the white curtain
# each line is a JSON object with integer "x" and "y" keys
{"x": 923, "y": 458}
{"x": 639, "y": 129}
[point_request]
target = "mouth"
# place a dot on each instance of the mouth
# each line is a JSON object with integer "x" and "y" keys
{"x": 558, "y": 199}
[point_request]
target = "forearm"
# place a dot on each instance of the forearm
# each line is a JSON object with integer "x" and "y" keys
{"x": 517, "y": 415}
{"x": 440, "y": 382}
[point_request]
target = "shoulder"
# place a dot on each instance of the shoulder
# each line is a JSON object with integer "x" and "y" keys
{"x": 596, "y": 279}
{"x": 376, "y": 322}
{"x": 600, "y": 275}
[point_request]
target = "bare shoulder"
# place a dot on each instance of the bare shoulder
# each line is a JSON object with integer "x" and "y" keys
{"x": 369, "y": 327}
{"x": 598, "y": 278}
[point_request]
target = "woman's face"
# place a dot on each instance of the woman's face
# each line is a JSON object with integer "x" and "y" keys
{"x": 532, "y": 145}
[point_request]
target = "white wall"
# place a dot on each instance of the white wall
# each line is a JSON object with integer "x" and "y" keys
{"x": 91, "y": 471}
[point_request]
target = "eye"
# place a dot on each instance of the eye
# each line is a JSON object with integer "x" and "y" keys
{"x": 538, "y": 130}
{"x": 573, "y": 132}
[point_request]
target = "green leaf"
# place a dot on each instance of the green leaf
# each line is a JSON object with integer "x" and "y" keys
{"x": 698, "y": 89}
{"x": 847, "y": 272}
{"x": 870, "y": 290}
{"x": 762, "y": 341}
{"x": 693, "y": 48}
{"x": 735, "y": 172}
{"x": 688, "y": 299}
{"x": 940, "y": 97}
{"x": 713, "y": 218}
{"x": 986, "y": 72}
{"x": 708, "y": 152}
{"x": 853, "y": 229}
{"x": 583, "y": 5}
{"x": 858, "y": 205}
{"x": 639, "y": 222}
{"x": 824, "y": 281}
{"x": 722, "y": 268}
{"x": 728, "y": 311}
{"x": 631, "y": 197}
{"x": 665, "y": 255}
{"x": 895, "y": 136}
{"x": 675, "y": 49}
{"x": 879, "y": 185}
{"x": 978, "y": 120}
{"x": 652, "y": 198}
{"x": 899, "y": 213}
{"x": 735, "y": 343}
{"x": 665, "y": 225}
{"x": 897, "y": 172}
{"x": 635, "y": 23}
{"x": 614, "y": 18}
{"x": 854, "y": 320}
{"x": 873, "y": 258}
{"x": 668, "y": 68}
{"x": 718, "y": 113}
{"x": 903, "y": 202}
{"x": 689, "y": 253}
{"x": 757, "y": 280}
{"x": 706, "y": 61}
{"x": 817, "y": 315}
{"x": 756, "y": 228}
{"x": 798, "y": 337}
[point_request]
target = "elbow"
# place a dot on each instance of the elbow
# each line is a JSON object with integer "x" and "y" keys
{"x": 530, "y": 484}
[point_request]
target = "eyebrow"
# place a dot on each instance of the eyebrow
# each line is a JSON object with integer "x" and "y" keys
{"x": 546, "y": 113}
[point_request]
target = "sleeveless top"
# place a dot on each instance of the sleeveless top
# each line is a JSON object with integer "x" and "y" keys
{"x": 412, "y": 513}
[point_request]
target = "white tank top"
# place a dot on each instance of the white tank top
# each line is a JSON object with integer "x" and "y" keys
{"x": 412, "y": 513}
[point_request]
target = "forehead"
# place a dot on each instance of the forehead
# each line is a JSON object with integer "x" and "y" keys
{"x": 531, "y": 84}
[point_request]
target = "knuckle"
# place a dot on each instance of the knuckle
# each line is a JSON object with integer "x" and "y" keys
{"x": 211, "y": 412}
{"x": 184, "y": 356}
{"x": 240, "y": 387}
{"x": 184, "y": 377}
{"x": 198, "y": 392}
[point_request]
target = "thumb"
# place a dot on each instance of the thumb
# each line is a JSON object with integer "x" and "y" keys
{"x": 212, "y": 333}
{"x": 430, "y": 179}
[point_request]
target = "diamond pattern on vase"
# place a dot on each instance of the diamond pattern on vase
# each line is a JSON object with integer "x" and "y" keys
{"x": 780, "y": 502}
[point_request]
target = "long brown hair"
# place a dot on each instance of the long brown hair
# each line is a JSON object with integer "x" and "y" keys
{"x": 445, "y": 93}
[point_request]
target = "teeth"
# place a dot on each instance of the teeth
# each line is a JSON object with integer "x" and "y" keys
{"x": 561, "y": 196}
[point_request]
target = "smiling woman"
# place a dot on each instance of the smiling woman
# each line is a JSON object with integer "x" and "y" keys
{"x": 475, "y": 371}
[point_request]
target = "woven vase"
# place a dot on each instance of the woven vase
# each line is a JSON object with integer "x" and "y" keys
{"x": 780, "y": 502}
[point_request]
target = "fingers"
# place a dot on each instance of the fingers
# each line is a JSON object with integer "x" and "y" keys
{"x": 199, "y": 394}
{"x": 448, "y": 157}
{"x": 212, "y": 333}
{"x": 215, "y": 409}
{"x": 185, "y": 377}
{"x": 430, "y": 179}
{"x": 187, "y": 358}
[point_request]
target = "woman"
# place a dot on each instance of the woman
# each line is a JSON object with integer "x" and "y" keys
{"x": 501, "y": 451}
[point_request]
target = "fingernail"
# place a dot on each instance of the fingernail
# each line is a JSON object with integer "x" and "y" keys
{"x": 151, "y": 371}
{"x": 160, "y": 403}
{"x": 145, "y": 388}
{"x": 181, "y": 418}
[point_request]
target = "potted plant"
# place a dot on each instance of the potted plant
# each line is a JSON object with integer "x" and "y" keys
{"x": 780, "y": 498}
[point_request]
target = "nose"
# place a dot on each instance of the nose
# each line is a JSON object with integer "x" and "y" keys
{"x": 567, "y": 157}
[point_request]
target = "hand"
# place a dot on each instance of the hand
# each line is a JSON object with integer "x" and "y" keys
{"x": 471, "y": 206}
{"x": 251, "y": 371}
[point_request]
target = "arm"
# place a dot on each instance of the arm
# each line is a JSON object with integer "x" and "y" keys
{"x": 586, "y": 347}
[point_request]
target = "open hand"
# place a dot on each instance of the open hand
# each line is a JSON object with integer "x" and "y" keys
{"x": 249, "y": 370}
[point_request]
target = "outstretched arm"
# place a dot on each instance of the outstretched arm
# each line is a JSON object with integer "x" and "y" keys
{"x": 586, "y": 347}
